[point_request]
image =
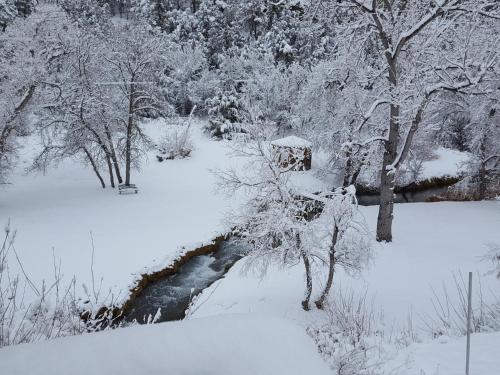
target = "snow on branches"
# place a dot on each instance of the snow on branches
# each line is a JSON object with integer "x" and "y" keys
{"x": 284, "y": 226}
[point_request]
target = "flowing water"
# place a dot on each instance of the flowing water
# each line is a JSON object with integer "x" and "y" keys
{"x": 173, "y": 294}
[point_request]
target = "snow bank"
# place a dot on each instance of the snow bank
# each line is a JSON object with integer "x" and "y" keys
{"x": 237, "y": 344}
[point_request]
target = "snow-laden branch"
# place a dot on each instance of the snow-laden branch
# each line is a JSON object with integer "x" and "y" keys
{"x": 370, "y": 112}
{"x": 430, "y": 92}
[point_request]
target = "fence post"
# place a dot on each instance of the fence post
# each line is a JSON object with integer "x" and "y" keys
{"x": 469, "y": 315}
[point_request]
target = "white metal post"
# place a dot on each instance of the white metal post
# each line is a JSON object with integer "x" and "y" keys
{"x": 469, "y": 314}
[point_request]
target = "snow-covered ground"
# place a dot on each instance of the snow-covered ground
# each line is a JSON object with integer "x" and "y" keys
{"x": 448, "y": 163}
{"x": 446, "y": 356}
{"x": 177, "y": 205}
{"x": 432, "y": 242}
{"x": 229, "y": 345}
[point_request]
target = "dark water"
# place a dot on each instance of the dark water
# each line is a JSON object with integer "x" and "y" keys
{"x": 408, "y": 197}
{"x": 173, "y": 293}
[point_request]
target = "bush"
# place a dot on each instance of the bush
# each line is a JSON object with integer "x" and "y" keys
{"x": 350, "y": 339}
{"x": 176, "y": 144}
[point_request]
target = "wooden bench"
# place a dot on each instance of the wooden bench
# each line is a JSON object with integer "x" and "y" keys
{"x": 127, "y": 189}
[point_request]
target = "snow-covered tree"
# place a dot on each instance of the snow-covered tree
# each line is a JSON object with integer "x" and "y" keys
{"x": 310, "y": 228}
{"x": 414, "y": 51}
{"x": 87, "y": 13}
{"x": 27, "y": 53}
{"x": 133, "y": 57}
{"x": 484, "y": 146}
{"x": 79, "y": 123}
{"x": 155, "y": 12}
{"x": 184, "y": 66}
{"x": 342, "y": 230}
{"x": 279, "y": 242}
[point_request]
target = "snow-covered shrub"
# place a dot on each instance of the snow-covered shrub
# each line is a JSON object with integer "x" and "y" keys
{"x": 413, "y": 167}
{"x": 468, "y": 189}
{"x": 176, "y": 144}
{"x": 349, "y": 336}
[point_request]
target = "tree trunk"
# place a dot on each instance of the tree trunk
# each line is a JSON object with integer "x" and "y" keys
{"x": 483, "y": 181}
{"x": 321, "y": 301}
{"x": 307, "y": 266}
{"x": 194, "y": 5}
{"x": 94, "y": 166}
{"x": 387, "y": 180}
{"x": 113, "y": 154}
{"x": 347, "y": 169}
{"x": 130, "y": 125}
{"x": 110, "y": 170}
{"x": 387, "y": 175}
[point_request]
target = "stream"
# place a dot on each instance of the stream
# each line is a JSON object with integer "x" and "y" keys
{"x": 173, "y": 294}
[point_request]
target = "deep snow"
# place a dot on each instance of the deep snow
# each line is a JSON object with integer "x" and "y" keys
{"x": 229, "y": 345}
{"x": 432, "y": 243}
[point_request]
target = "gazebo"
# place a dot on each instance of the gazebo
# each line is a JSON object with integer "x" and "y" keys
{"x": 293, "y": 153}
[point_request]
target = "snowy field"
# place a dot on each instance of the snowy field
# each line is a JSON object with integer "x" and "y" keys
{"x": 177, "y": 205}
{"x": 241, "y": 317}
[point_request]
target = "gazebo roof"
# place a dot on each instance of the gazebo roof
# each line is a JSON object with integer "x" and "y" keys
{"x": 292, "y": 141}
